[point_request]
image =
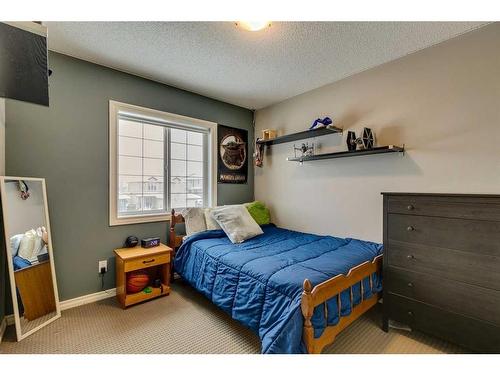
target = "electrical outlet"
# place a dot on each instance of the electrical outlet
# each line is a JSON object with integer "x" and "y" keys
{"x": 103, "y": 264}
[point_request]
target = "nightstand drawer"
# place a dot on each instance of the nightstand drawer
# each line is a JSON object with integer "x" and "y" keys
{"x": 477, "y": 236}
{"x": 465, "y": 299}
{"x": 147, "y": 261}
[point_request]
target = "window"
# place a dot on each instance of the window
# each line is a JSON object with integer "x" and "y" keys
{"x": 158, "y": 161}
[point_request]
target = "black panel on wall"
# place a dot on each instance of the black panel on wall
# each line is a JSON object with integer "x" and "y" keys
{"x": 23, "y": 65}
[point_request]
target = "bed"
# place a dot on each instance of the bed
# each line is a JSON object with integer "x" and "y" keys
{"x": 296, "y": 290}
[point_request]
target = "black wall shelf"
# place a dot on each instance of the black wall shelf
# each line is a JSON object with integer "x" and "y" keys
{"x": 301, "y": 135}
{"x": 346, "y": 154}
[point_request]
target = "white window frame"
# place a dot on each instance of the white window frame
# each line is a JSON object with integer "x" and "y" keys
{"x": 115, "y": 108}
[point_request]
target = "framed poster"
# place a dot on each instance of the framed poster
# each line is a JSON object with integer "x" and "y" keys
{"x": 232, "y": 155}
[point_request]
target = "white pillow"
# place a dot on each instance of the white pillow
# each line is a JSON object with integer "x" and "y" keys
{"x": 15, "y": 241}
{"x": 195, "y": 220}
{"x": 236, "y": 222}
{"x": 211, "y": 223}
{"x": 30, "y": 245}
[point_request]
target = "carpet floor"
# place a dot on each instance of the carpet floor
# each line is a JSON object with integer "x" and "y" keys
{"x": 186, "y": 322}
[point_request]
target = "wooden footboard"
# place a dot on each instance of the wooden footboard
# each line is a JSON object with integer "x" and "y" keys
{"x": 312, "y": 297}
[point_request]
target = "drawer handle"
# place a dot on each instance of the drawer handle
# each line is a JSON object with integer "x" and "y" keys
{"x": 410, "y": 285}
{"x": 410, "y": 229}
{"x": 148, "y": 261}
{"x": 410, "y": 313}
{"x": 410, "y": 207}
{"x": 411, "y": 256}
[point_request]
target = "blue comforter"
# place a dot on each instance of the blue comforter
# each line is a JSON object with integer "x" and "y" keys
{"x": 259, "y": 282}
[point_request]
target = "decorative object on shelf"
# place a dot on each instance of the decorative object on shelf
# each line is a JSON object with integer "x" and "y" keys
{"x": 232, "y": 166}
{"x": 268, "y": 134}
{"x": 365, "y": 142}
{"x": 367, "y": 139}
{"x": 259, "y": 153}
{"x": 321, "y": 123}
{"x": 351, "y": 141}
{"x": 344, "y": 154}
{"x": 306, "y": 150}
{"x": 131, "y": 241}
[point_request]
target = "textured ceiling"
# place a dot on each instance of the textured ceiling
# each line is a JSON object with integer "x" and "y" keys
{"x": 250, "y": 69}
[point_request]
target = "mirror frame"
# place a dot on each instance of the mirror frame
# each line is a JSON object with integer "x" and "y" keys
{"x": 10, "y": 264}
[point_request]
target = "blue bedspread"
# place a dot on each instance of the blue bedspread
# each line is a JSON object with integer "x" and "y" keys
{"x": 259, "y": 282}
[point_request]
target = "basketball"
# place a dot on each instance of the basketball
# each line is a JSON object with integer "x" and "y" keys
{"x": 137, "y": 281}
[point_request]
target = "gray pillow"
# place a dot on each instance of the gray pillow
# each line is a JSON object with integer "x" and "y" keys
{"x": 210, "y": 221}
{"x": 236, "y": 222}
{"x": 195, "y": 220}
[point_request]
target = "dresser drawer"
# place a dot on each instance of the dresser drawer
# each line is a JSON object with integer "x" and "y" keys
{"x": 470, "y": 333}
{"x": 461, "y": 266}
{"x": 480, "y": 237}
{"x": 148, "y": 261}
{"x": 461, "y": 298}
{"x": 479, "y": 208}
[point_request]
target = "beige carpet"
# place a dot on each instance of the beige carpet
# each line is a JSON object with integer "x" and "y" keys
{"x": 185, "y": 322}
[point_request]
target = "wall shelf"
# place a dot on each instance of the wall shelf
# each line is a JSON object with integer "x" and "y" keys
{"x": 301, "y": 135}
{"x": 346, "y": 154}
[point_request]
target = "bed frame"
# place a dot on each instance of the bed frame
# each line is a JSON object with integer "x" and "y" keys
{"x": 313, "y": 297}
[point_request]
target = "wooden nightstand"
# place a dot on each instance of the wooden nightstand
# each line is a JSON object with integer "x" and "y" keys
{"x": 155, "y": 260}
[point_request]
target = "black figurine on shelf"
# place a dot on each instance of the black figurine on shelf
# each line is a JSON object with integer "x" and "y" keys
{"x": 365, "y": 142}
{"x": 351, "y": 141}
{"x": 368, "y": 139}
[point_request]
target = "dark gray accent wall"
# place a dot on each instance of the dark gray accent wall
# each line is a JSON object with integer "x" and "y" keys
{"x": 67, "y": 144}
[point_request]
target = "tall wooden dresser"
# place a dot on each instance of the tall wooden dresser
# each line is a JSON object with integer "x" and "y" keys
{"x": 442, "y": 266}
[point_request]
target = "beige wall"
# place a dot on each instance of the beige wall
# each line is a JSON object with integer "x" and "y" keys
{"x": 442, "y": 102}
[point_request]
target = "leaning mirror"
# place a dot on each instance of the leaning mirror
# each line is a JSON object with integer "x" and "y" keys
{"x": 29, "y": 253}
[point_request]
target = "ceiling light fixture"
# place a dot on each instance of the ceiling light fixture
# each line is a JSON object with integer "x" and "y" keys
{"x": 253, "y": 25}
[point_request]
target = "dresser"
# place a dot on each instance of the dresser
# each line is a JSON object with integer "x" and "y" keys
{"x": 442, "y": 266}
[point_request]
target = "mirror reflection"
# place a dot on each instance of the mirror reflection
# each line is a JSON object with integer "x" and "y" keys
{"x": 34, "y": 292}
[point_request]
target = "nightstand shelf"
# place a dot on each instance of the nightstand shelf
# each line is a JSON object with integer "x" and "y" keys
{"x": 133, "y": 298}
{"x": 155, "y": 261}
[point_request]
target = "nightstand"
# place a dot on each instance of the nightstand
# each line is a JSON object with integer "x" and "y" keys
{"x": 155, "y": 261}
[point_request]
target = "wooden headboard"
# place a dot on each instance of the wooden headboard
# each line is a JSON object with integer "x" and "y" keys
{"x": 174, "y": 239}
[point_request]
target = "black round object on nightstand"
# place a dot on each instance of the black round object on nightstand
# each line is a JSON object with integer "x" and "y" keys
{"x": 131, "y": 241}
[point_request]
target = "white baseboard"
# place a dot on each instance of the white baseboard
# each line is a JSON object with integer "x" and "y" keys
{"x": 69, "y": 304}
{"x": 89, "y": 298}
{"x": 3, "y": 326}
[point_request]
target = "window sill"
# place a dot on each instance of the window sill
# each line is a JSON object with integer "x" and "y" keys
{"x": 114, "y": 221}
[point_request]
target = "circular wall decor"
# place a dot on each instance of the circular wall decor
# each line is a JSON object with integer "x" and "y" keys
{"x": 233, "y": 151}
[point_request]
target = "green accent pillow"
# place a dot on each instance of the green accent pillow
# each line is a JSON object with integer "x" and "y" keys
{"x": 259, "y": 212}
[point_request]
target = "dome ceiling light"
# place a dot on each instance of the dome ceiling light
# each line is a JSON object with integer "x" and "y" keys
{"x": 253, "y": 25}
